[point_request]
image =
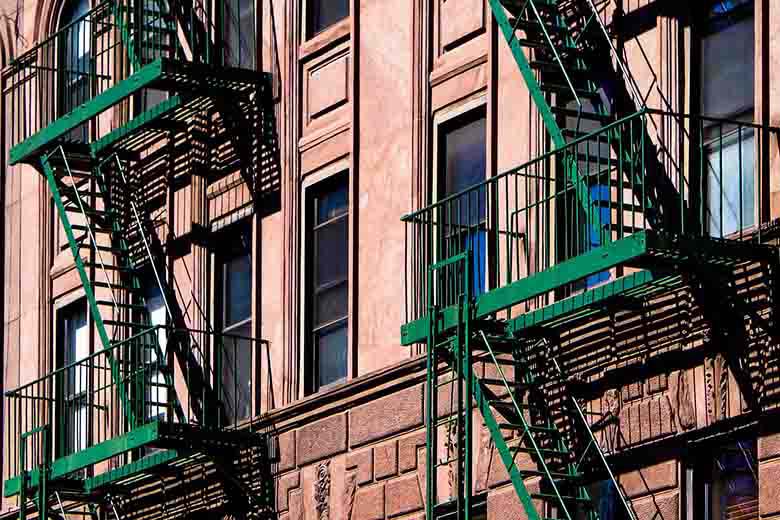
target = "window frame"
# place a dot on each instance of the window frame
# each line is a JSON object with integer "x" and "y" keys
{"x": 307, "y": 33}
{"x": 465, "y": 114}
{"x": 221, "y": 257}
{"x": 66, "y": 86}
{"x": 64, "y": 312}
{"x": 227, "y": 34}
{"x": 708, "y": 25}
{"x": 310, "y": 373}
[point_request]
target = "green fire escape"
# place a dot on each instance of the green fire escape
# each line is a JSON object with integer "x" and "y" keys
{"x": 617, "y": 214}
{"x": 155, "y": 393}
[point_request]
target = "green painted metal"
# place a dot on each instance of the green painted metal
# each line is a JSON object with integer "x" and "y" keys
{"x": 459, "y": 355}
{"x": 527, "y": 435}
{"x": 116, "y": 228}
{"x": 594, "y": 261}
{"x": 85, "y": 281}
{"x": 587, "y": 299}
{"x": 142, "y": 465}
{"x": 139, "y": 123}
{"x": 122, "y": 20}
{"x": 145, "y": 77}
{"x": 550, "y": 123}
{"x": 61, "y": 467}
{"x": 504, "y": 452}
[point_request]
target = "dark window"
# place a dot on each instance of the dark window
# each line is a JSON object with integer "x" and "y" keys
{"x": 240, "y": 33}
{"x": 234, "y": 280}
{"x": 321, "y": 14}
{"x": 727, "y": 485}
{"x": 607, "y": 502}
{"x": 329, "y": 283}
{"x": 75, "y": 62}
{"x": 727, "y": 57}
{"x": 464, "y": 164}
{"x": 73, "y": 341}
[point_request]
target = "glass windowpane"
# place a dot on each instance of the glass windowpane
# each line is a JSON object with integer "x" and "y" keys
{"x": 331, "y": 355}
{"x": 331, "y": 304}
{"x": 731, "y": 185}
{"x": 238, "y": 274}
{"x": 331, "y": 243}
{"x": 324, "y": 13}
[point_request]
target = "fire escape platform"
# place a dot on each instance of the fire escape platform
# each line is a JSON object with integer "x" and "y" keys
{"x": 662, "y": 257}
{"x": 180, "y": 443}
{"x": 197, "y": 86}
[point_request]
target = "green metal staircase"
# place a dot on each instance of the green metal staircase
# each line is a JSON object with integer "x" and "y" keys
{"x": 150, "y": 397}
{"x": 537, "y": 427}
{"x": 108, "y": 220}
{"x": 608, "y": 221}
{"x": 579, "y": 85}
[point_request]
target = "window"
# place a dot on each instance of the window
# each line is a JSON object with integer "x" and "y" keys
{"x": 73, "y": 343}
{"x": 235, "y": 356}
{"x": 321, "y": 14}
{"x": 75, "y": 63}
{"x": 463, "y": 153}
{"x": 240, "y": 33}
{"x": 329, "y": 283}
{"x": 156, "y": 389}
{"x": 606, "y": 499}
{"x": 727, "y": 58}
{"x": 727, "y": 486}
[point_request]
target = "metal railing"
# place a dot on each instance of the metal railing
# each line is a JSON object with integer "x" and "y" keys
{"x": 526, "y": 220}
{"x": 114, "y": 391}
{"x": 112, "y": 41}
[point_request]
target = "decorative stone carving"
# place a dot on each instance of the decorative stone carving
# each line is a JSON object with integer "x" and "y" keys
{"x": 686, "y": 413}
{"x": 709, "y": 389}
{"x": 716, "y": 380}
{"x": 452, "y": 447}
{"x": 723, "y": 387}
{"x": 485, "y": 458}
{"x": 350, "y": 487}
{"x": 322, "y": 491}
{"x": 612, "y": 402}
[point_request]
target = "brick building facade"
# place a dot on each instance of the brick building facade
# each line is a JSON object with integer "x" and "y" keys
{"x": 364, "y": 111}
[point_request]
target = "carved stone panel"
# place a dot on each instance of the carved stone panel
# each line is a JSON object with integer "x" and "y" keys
{"x": 322, "y": 491}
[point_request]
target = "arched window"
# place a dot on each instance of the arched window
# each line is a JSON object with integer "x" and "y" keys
{"x": 75, "y": 52}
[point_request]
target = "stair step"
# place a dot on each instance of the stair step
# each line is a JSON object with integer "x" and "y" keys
{"x": 106, "y": 285}
{"x": 109, "y": 267}
{"x": 519, "y": 426}
{"x": 566, "y": 498}
{"x": 94, "y": 229}
{"x": 513, "y": 385}
{"x": 592, "y": 116}
{"x": 120, "y": 323}
{"x": 514, "y": 6}
{"x": 131, "y": 306}
{"x": 544, "y": 44}
{"x": 573, "y": 69}
{"x": 511, "y": 407}
{"x": 565, "y": 90}
{"x": 558, "y": 476}
{"x": 548, "y": 451}
{"x": 107, "y": 249}
{"x": 532, "y": 24}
